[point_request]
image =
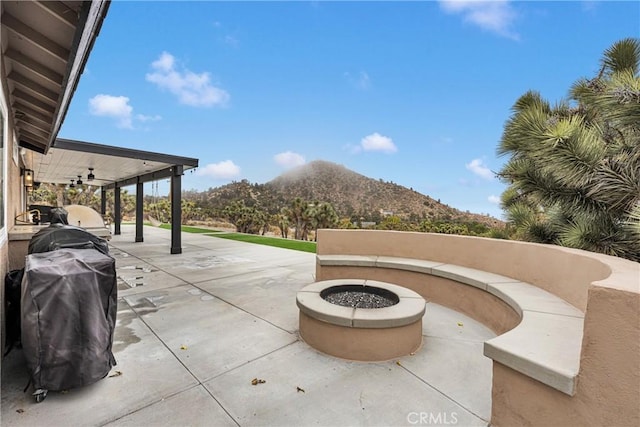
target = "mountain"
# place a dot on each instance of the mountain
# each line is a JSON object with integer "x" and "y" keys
{"x": 350, "y": 193}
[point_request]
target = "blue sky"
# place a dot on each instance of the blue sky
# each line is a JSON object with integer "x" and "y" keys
{"x": 416, "y": 93}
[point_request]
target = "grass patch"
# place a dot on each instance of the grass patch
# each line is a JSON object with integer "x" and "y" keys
{"x": 187, "y": 229}
{"x": 297, "y": 245}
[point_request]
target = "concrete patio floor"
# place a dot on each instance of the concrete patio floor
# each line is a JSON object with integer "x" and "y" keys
{"x": 194, "y": 329}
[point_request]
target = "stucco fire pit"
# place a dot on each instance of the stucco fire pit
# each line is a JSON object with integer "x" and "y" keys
{"x": 350, "y": 330}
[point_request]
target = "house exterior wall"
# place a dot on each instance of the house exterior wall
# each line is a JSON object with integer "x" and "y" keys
{"x": 4, "y": 137}
{"x": 13, "y": 197}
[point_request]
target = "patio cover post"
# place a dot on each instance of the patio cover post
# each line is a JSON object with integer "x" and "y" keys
{"x": 139, "y": 210}
{"x": 103, "y": 201}
{"x": 176, "y": 209}
{"x": 117, "y": 215}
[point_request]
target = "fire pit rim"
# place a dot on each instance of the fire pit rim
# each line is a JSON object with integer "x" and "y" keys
{"x": 410, "y": 308}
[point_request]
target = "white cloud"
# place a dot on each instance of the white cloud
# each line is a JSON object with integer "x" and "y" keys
{"x": 478, "y": 167}
{"x": 164, "y": 63}
{"x": 116, "y": 107}
{"x": 191, "y": 89}
{"x": 377, "y": 142}
{"x": 145, "y": 118}
{"x": 494, "y": 199}
{"x": 228, "y": 39}
{"x": 492, "y": 15}
{"x": 361, "y": 81}
{"x": 231, "y": 41}
{"x": 289, "y": 159}
{"x": 222, "y": 170}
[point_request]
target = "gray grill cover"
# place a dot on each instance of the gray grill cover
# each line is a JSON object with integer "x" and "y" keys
{"x": 60, "y": 236}
{"x": 69, "y": 305}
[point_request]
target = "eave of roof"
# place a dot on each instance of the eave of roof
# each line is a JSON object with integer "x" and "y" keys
{"x": 45, "y": 47}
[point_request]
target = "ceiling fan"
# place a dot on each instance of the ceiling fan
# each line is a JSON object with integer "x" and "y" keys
{"x": 89, "y": 179}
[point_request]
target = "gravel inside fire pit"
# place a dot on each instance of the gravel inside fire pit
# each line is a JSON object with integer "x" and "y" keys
{"x": 359, "y": 299}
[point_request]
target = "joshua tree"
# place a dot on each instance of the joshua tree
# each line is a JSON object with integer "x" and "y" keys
{"x": 574, "y": 168}
{"x": 305, "y": 216}
{"x": 325, "y": 217}
{"x": 282, "y": 222}
{"x": 298, "y": 217}
{"x": 247, "y": 219}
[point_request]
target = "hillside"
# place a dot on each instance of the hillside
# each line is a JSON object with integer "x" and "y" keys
{"x": 351, "y": 194}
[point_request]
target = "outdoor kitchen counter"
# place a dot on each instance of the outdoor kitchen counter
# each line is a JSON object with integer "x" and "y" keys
{"x": 20, "y": 235}
{"x": 26, "y": 231}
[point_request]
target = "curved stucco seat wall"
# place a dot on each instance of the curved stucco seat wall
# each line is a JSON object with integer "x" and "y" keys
{"x": 604, "y": 290}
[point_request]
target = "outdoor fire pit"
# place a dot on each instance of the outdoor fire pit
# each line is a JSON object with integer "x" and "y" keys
{"x": 360, "y": 319}
{"x": 359, "y": 296}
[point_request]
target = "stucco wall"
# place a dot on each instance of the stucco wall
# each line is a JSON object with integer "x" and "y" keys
{"x": 361, "y": 343}
{"x": 3, "y": 271}
{"x": 13, "y": 200}
{"x": 605, "y": 288}
{"x": 608, "y": 392}
{"x": 561, "y": 271}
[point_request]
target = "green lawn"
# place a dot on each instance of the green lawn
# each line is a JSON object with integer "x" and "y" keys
{"x": 297, "y": 245}
{"x": 188, "y": 229}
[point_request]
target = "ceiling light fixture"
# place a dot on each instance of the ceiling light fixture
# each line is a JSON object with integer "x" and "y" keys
{"x": 91, "y": 176}
{"x": 79, "y": 181}
{"x": 72, "y": 184}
